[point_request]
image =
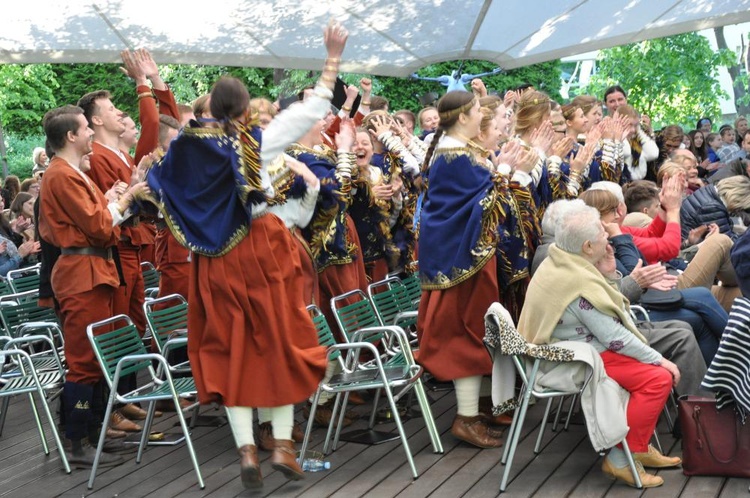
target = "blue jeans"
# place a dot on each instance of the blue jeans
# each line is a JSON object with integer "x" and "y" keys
{"x": 704, "y": 314}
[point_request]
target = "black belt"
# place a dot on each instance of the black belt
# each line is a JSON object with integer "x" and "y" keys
{"x": 89, "y": 251}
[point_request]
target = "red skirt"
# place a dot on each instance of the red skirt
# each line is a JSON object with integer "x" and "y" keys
{"x": 450, "y": 327}
{"x": 251, "y": 341}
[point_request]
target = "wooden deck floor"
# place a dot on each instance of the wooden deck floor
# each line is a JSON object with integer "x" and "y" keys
{"x": 567, "y": 466}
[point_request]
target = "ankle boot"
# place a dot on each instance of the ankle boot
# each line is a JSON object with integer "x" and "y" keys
{"x": 474, "y": 430}
{"x": 284, "y": 460}
{"x": 249, "y": 467}
{"x": 81, "y": 454}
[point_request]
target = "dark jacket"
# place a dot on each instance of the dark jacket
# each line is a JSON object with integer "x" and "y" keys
{"x": 738, "y": 167}
{"x": 705, "y": 207}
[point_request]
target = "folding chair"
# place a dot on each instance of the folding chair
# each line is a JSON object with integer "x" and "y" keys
{"x": 374, "y": 375}
{"x": 24, "y": 279}
{"x": 121, "y": 352}
{"x": 18, "y": 376}
{"x": 150, "y": 279}
{"x": 503, "y": 339}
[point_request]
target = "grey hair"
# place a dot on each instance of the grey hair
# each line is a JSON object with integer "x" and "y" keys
{"x": 555, "y": 212}
{"x": 581, "y": 223}
{"x": 735, "y": 192}
{"x": 610, "y": 187}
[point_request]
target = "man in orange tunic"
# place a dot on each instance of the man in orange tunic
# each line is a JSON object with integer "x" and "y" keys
{"x": 76, "y": 217}
{"x": 109, "y": 165}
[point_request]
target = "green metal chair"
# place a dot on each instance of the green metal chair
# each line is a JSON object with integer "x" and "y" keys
{"x": 354, "y": 313}
{"x": 18, "y": 376}
{"x": 151, "y": 278}
{"x": 394, "y": 305}
{"x": 21, "y": 315}
{"x": 24, "y": 279}
{"x": 413, "y": 288}
{"x": 120, "y": 351}
{"x": 375, "y": 375}
{"x": 167, "y": 320}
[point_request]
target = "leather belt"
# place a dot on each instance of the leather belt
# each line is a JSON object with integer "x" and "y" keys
{"x": 89, "y": 251}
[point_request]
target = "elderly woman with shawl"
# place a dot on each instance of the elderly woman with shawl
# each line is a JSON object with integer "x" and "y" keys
{"x": 581, "y": 304}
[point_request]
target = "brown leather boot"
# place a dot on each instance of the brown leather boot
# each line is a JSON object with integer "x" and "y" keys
{"x": 473, "y": 430}
{"x": 284, "y": 460}
{"x": 298, "y": 435}
{"x": 249, "y": 467}
{"x": 265, "y": 437}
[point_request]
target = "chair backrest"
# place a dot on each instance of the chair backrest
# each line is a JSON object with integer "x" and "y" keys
{"x": 164, "y": 316}
{"x": 413, "y": 288}
{"x": 21, "y": 308}
{"x": 24, "y": 279}
{"x": 150, "y": 276}
{"x": 112, "y": 345}
{"x": 5, "y": 287}
{"x": 325, "y": 334}
{"x": 353, "y": 311}
{"x": 390, "y": 298}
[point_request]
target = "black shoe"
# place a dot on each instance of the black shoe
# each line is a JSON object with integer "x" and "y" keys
{"x": 81, "y": 455}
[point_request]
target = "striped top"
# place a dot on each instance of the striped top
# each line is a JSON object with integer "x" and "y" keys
{"x": 729, "y": 372}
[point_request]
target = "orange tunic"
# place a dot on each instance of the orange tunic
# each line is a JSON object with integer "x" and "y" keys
{"x": 106, "y": 168}
{"x": 173, "y": 262}
{"x": 73, "y": 213}
{"x": 251, "y": 340}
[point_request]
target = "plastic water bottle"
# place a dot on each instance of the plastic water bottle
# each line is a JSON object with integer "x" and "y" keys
{"x": 315, "y": 465}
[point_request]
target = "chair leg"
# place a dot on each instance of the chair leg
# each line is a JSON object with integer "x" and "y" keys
{"x": 188, "y": 439}
{"x": 38, "y": 421}
{"x": 402, "y": 433}
{"x": 102, "y": 435}
{"x": 147, "y": 429}
{"x": 668, "y": 417}
{"x": 331, "y": 423}
{"x": 516, "y": 428}
{"x": 375, "y": 401}
{"x": 631, "y": 463}
{"x": 429, "y": 420}
{"x": 3, "y": 412}
{"x": 511, "y": 431}
{"x": 55, "y": 434}
{"x": 540, "y": 437}
{"x": 308, "y": 429}
{"x": 556, "y": 422}
{"x": 573, "y": 402}
{"x": 342, "y": 416}
{"x": 656, "y": 440}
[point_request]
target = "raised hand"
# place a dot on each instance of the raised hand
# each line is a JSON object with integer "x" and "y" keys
{"x": 346, "y": 135}
{"x": 334, "y": 38}
{"x": 478, "y": 87}
{"x": 381, "y": 124}
{"x": 543, "y": 137}
{"x": 562, "y": 147}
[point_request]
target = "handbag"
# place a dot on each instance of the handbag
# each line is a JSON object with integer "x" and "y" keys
{"x": 714, "y": 442}
{"x": 658, "y": 300}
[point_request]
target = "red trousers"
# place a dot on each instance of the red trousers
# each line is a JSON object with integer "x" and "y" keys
{"x": 77, "y": 312}
{"x": 129, "y": 298}
{"x": 648, "y": 386}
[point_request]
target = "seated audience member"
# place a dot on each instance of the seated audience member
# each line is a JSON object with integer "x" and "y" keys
{"x": 736, "y": 167}
{"x": 22, "y": 210}
{"x": 724, "y": 204}
{"x": 672, "y": 336}
{"x": 661, "y": 241}
{"x": 699, "y": 307}
{"x": 580, "y": 305}
{"x": 713, "y": 142}
{"x": 31, "y": 186}
{"x": 642, "y": 201}
{"x": 729, "y": 150}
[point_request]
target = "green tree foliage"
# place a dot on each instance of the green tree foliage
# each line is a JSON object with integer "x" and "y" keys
{"x": 404, "y": 93}
{"x": 27, "y": 92}
{"x": 672, "y": 79}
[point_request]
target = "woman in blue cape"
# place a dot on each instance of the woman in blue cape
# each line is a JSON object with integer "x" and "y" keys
{"x": 251, "y": 341}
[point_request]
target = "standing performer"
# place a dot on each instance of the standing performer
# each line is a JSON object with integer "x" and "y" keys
{"x": 252, "y": 343}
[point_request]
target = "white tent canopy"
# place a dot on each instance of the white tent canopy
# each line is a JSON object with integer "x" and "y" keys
{"x": 388, "y": 37}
